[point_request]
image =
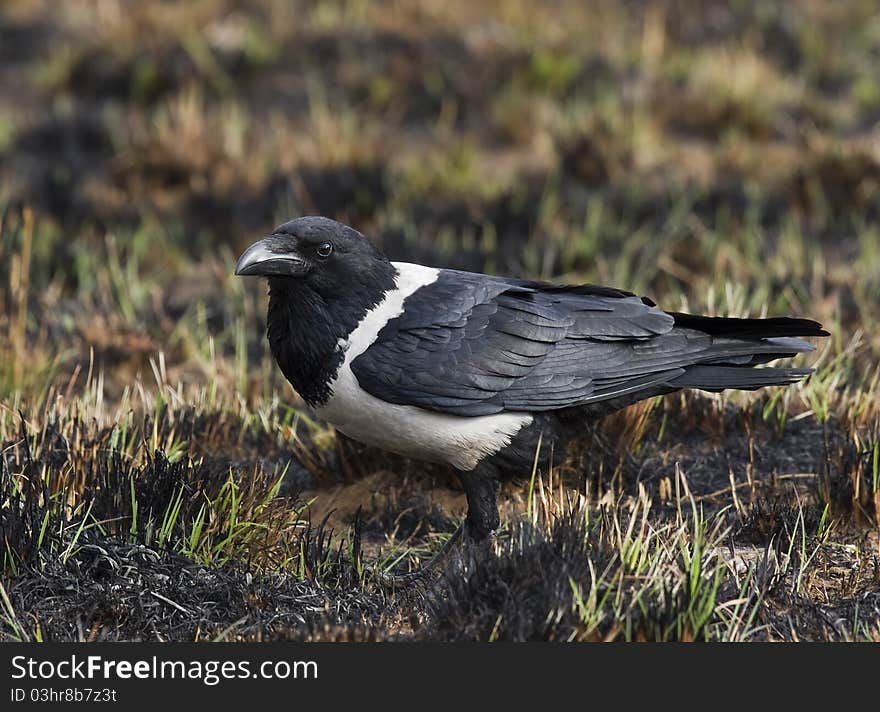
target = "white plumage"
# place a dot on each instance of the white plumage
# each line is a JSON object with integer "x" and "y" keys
{"x": 407, "y": 430}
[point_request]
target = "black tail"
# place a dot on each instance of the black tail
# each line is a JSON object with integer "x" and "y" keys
{"x": 719, "y": 378}
{"x": 749, "y": 328}
{"x": 740, "y": 344}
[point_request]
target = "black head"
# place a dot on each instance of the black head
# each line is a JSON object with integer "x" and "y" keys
{"x": 321, "y": 253}
{"x": 323, "y": 278}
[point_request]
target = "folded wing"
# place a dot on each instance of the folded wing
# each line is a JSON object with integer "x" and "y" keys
{"x": 473, "y": 345}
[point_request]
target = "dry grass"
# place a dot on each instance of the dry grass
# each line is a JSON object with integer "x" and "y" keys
{"x": 158, "y": 478}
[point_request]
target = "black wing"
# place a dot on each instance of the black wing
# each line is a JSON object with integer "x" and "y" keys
{"x": 473, "y": 345}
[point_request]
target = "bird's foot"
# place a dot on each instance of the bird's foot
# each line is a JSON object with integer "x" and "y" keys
{"x": 427, "y": 570}
{"x": 467, "y": 540}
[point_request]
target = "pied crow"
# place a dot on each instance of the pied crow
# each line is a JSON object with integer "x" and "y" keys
{"x": 479, "y": 371}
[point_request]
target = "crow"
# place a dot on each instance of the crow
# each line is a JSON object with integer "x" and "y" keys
{"x": 484, "y": 373}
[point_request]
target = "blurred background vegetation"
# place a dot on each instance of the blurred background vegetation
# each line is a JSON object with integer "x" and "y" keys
{"x": 716, "y": 156}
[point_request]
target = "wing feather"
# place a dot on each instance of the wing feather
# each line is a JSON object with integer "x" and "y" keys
{"x": 469, "y": 344}
{"x": 473, "y": 345}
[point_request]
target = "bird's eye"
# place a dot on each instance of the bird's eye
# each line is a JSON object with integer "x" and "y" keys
{"x": 324, "y": 250}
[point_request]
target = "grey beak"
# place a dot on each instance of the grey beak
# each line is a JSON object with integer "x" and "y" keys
{"x": 261, "y": 260}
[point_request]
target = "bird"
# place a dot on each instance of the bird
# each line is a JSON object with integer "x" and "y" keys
{"x": 485, "y": 373}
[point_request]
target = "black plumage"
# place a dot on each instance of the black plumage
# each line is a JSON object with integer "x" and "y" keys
{"x": 471, "y": 345}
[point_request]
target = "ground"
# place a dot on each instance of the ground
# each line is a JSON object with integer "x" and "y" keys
{"x": 159, "y": 479}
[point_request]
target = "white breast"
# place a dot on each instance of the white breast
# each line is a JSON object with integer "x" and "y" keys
{"x": 408, "y": 430}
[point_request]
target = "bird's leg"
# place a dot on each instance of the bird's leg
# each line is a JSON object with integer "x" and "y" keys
{"x": 481, "y": 489}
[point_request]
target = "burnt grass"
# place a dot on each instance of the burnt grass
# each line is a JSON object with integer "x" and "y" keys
{"x": 124, "y": 581}
{"x": 159, "y": 480}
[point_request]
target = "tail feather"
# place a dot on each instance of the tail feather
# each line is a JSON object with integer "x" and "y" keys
{"x": 749, "y": 352}
{"x": 750, "y": 329}
{"x": 740, "y": 344}
{"x": 718, "y": 378}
